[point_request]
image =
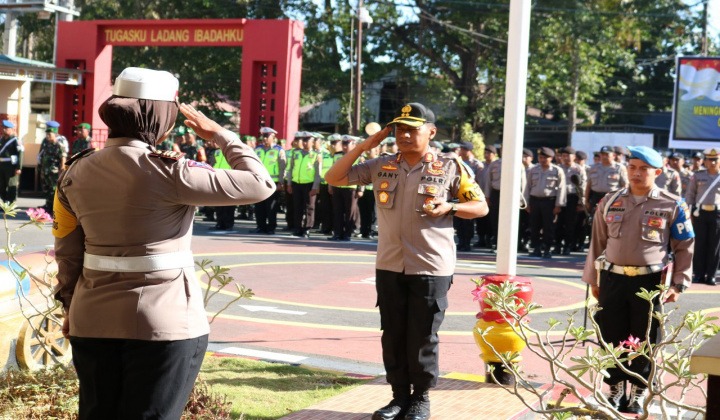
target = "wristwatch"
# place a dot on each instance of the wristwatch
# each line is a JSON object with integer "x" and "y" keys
{"x": 679, "y": 287}
{"x": 453, "y": 209}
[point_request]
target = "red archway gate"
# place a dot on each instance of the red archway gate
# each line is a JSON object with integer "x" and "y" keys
{"x": 271, "y": 64}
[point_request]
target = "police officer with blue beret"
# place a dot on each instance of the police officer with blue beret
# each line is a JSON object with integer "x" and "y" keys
{"x": 632, "y": 231}
{"x": 11, "y": 152}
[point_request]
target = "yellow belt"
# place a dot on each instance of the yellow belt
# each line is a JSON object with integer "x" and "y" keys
{"x": 708, "y": 207}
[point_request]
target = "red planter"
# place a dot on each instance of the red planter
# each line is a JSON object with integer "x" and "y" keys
{"x": 525, "y": 294}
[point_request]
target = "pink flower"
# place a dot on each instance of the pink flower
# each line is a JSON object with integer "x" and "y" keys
{"x": 477, "y": 294}
{"x": 632, "y": 343}
{"x": 39, "y": 216}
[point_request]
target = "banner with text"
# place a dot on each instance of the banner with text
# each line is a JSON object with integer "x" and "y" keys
{"x": 696, "y": 108}
{"x": 168, "y": 36}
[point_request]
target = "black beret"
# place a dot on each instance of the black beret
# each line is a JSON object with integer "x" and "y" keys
{"x": 467, "y": 145}
{"x": 697, "y": 155}
{"x": 568, "y": 149}
{"x": 677, "y": 155}
{"x": 491, "y": 148}
{"x": 528, "y": 152}
{"x": 581, "y": 155}
{"x": 546, "y": 151}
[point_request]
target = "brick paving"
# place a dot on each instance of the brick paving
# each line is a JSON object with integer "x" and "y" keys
{"x": 455, "y": 399}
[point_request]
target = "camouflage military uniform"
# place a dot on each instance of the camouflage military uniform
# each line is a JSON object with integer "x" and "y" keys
{"x": 80, "y": 144}
{"x": 191, "y": 151}
{"x": 51, "y": 157}
{"x": 167, "y": 144}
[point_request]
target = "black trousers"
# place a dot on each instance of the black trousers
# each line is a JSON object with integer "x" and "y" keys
{"x": 567, "y": 222}
{"x": 304, "y": 206}
{"x": 266, "y": 212}
{"x": 324, "y": 210}
{"x": 136, "y": 379}
{"x": 290, "y": 210}
{"x": 594, "y": 199}
{"x": 8, "y": 185}
{"x": 624, "y": 314}
{"x": 412, "y": 307}
{"x": 707, "y": 245}
{"x": 345, "y": 212}
{"x": 542, "y": 217}
{"x": 465, "y": 231}
{"x": 366, "y": 207}
{"x": 494, "y": 215}
{"x": 225, "y": 216}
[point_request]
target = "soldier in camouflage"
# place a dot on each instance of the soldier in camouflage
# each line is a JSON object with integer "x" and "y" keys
{"x": 52, "y": 162}
{"x": 83, "y": 140}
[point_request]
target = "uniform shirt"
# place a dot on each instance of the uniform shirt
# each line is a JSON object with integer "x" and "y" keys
{"x": 11, "y": 151}
{"x": 492, "y": 175}
{"x": 125, "y": 201}
{"x": 475, "y": 165}
{"x": 79, "y": 145}
{"x": 548, "y": 182}
{"x": 410, "y": 241}
{"x": 699, "y": 183}
{"x": 603, "y": 179}
{"x": 575, "y": 188}
{"x": 669, "y": 180}
{"x": 685, "y": 175}
{"x": 637, "y": 235}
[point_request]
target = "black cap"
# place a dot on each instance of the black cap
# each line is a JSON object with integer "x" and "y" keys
{"x": 414, "y": 114}
{"x": 677, "y": 155}
{"x": 581, "y": 155}
{"x": 467, "y": 145}
{"x": 528, "y": 152}
{"x": 621, "y": 150}
{"x": 607, "y": 149}
{"x": 697, "y": 155}
{"x": 491, "y": 148}
{"x": 568, "y": 149}
{"x": 546, "y": 151}
{"x": 596, "y": 154}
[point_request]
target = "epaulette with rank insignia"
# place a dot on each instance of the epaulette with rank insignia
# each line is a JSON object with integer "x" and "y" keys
{"x": 167, "y": 154}
{"x": 79, "y": 155}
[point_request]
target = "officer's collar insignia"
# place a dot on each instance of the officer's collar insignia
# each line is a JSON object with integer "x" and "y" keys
{"x": 429, "y": 157}
{"x": 167, "y": 154}
{"x": 79, "y": 155}
{"x": 389, "y": 167}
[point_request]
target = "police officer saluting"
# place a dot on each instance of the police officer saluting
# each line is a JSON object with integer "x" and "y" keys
{"x": 273, "y": 158}
{"x": 414, "y": 192}
{"x": 703, "y": 195}
{"x": 632, "y": 229}
{"x": 11, "y": 151}
{"x": 546, "y": 195}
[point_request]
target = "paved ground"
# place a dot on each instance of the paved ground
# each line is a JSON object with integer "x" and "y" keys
{"x": 315, "y": 304}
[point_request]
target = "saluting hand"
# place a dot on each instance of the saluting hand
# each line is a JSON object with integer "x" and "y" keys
{"x": 202, "y": 125}
{"x": 374, "y": 140}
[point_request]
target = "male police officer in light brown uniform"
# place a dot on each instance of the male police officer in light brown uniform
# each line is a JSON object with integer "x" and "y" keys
{"x": 546, "y": 195}
{"x": 123, "y": 225}
{"x": 669, "y": 180}
{"x": 604, "y": 177}
{"x": 414, "y": 191}
{"x": 629, "y": 250}
{"x": 703, "y": 195}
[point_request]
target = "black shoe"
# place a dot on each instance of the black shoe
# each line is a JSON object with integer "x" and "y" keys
{"x": 464, "y": 248}
{"x": 334, "y": 238}
{"x": 344, "y": 238}
{"x": 566, "y": 251}
{"x": 547, "y": 255}
{"x": 258, "y": 230}
{"x": 270, "y": 232}
{"x": 557, "y": 250}
{"x": 711, "y": 282}
{"x": 208, "y": 219}
{"x": 396, "y": 408}
{"x": 419, "y": 407}
{"x": 536, "y": 253}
